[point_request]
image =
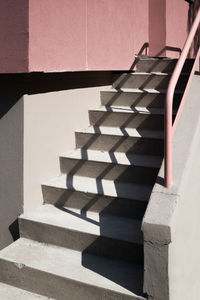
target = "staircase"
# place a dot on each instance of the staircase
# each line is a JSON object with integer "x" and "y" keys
{"x": 85, "y": 242}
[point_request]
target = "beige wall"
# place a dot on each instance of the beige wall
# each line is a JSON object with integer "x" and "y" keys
{"x": 50, "y": 120}
{"x": 38, "y": 116}
{"x": 184, "y": 251}
{"x": 172, "y": 219}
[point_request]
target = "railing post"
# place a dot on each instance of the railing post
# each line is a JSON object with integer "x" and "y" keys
{"x": 168, "y": 140}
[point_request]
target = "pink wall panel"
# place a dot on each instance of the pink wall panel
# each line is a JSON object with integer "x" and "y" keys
{"x": 79, "y": 35}
{"x": 13, "y": 36}
{"x": 176, "y": 25}
{"x": 116, "y": 31}
{"x": 157, "y": 27}
{"x": 57, "y": 35}
{"x": 86, "y": 34}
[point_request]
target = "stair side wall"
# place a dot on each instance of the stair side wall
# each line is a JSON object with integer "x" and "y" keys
{"x": 172, "y": 216}
{"x": 11, "y": 162}
{"x": 38, "y": 116}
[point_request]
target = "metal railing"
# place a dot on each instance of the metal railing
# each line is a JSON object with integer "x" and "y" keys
{"x": 169, "y": 125}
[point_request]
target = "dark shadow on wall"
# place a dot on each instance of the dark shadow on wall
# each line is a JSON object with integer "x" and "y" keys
{"x": 14, "y": 230}
{"x": 193, "y": 9}
{"x": 14, "y": 86}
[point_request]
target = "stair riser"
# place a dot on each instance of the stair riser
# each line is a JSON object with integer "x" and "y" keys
{"x": 119, "y": 143}
{"x": 149, "y": 81}
{"x": 53, "y": 286}
{"x": 81, "y": 241}
{"x": 94, "y": 169}
{"x": 94, "y": 203}
{"x": 161, "y": 65}
{"x": 128, "y": 120}
{"x": 136, "y": 99}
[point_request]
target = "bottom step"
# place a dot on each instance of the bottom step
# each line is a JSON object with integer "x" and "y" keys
{"x": 67, "y": 274}
{"x": 8, "y": 292}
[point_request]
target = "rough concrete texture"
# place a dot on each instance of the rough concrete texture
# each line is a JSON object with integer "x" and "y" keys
{"x": 171, "y": 220}
{"x": 68, "y": 275}
{"x": 8, "y": 292}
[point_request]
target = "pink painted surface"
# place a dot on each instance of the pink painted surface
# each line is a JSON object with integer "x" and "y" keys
{"x": 83, "y": 35}
{"x": 157, "y": 27}
{"x": 176, "y": 25}
{"x": 116, "y": 31}
{"x": 57, "y": 31}
{"x": 13, "y": 36}
{"x": 79, "y": 35}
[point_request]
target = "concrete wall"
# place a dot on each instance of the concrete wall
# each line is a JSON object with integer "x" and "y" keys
{"x": 171, "y": 222}
{"x": 11, "y": 162}
{"x": 50, "y": 120}
{"x": 38, "y": 116}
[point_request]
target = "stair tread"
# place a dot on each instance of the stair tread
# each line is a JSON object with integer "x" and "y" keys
{"x": 101, "y": 186}
{"x": 131, "y": 132}
{"x": 121, "y": 228}
{"x": 133, "y": 110}
{"x": 140, "y": 91}
{"x": 153, "y": 73}
{"x": 115, "y": 157}
{"x": 88, "y": 269}
{"x": 8, "y": 292}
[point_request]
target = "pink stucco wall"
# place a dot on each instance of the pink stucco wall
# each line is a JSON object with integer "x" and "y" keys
{"x": 13, "y": 36}
{"x": 57, "y": 35}
{"x": 176, "y": 25}
{"x": 168, "y": 27}
{"x": 86, "y": 34}
{"x": 116, "y": 30}
{"x": 79, "y": 35}
{"x": 157, "y": 27}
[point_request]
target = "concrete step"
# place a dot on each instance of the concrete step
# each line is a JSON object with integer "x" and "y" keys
{"x": 66, "y": 274}
{"x": 102, "y": 187}
{"x": 127, "y": 118}
{"x": 155, "y": 64}
{"x": 153, "y": 80}
{"x": 114, "y": 157}
{"x": 8, "y": 292}
{"x": 125, "y": 140}
{"x": 130, "y": 208}
{"x": 108, "y": 171}
{"x": 123, "y": 132}
{"x": 148, "y": 98}
{"x": 99, "y": 234}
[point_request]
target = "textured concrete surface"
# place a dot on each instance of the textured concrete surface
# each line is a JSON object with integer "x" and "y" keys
{"x": 66, "y": 274}
{"x": 171, "y": 222}
{"x": 8, "y": 292}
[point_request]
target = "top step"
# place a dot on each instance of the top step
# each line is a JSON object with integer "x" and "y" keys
{"x": 162, "y": 64}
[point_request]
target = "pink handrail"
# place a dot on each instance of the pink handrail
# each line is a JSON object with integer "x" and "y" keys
{"x": 169, "y": 127}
